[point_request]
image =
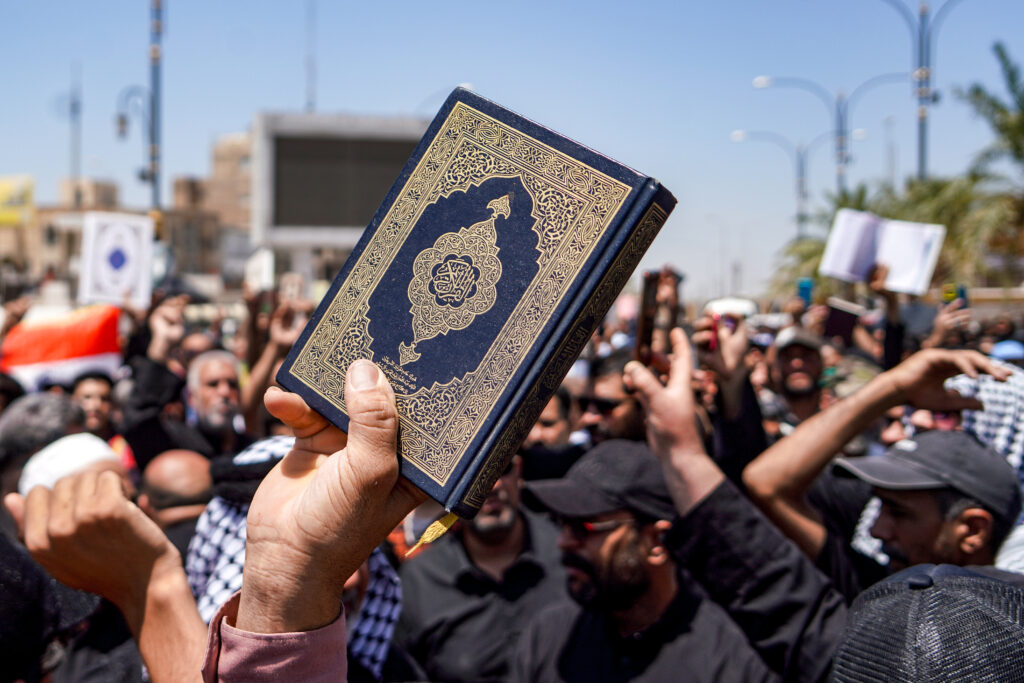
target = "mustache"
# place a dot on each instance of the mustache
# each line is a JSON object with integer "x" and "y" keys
{"x": 576, "y": 562}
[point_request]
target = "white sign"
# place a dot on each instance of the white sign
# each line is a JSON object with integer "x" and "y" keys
{"x": 259, "y": 271}
{"x": 117, "y": 259}
{"x": 859, "y": 240}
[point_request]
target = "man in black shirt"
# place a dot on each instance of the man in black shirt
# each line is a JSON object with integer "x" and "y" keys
{"x": 467, "y": 597}
{"x": 779, "y": 480}
{"x": 213, "y": 395}
{"x": 636, "y": 616}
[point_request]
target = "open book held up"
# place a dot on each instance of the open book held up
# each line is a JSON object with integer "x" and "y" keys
{"x": 859, "y": 240}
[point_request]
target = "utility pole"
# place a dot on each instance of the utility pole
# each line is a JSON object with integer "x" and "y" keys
{"x": 310, "y": 56}
{"x": 155, "y": 35}
{"x": 75, "y": 115}
{"x": 923, "y": 30}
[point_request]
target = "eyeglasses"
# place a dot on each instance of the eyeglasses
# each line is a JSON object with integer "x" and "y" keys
{"x": 601, "y": 405}
{"x": 581, "y": 529}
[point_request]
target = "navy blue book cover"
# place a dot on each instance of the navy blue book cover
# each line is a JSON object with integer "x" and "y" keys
{"x": 482, "y": 274}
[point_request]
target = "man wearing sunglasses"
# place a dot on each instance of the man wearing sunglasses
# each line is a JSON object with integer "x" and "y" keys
{"x": 636, "y": 615}
{"x": 607, "y": 410}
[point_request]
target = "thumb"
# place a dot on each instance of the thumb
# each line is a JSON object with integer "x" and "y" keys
{"x": 642, "y": 381}
{"x": 15, "y": 504}
{"x": 373, "y": 419}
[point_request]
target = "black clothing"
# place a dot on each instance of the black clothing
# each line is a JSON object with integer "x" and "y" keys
{"x": 541, "y": 462}
{"x": 148, "y": 432}
{"x": 37, "y": 615}
{"x": 398, "y": 667}
{"x": 105, "y": 653}
{"x": 774, "y": 615}
{"x": 181, "y": 533}
{"x": 790, "y": 612}
{"x": 892, "y": 346}
{"x": 693, "y": 641}
{"x": 840, "y": 501}
{"x": 462, "y": 625}
{"x": 738, "y": 441}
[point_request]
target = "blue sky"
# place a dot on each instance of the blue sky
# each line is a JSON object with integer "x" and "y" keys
{"x": 656, "y": 85}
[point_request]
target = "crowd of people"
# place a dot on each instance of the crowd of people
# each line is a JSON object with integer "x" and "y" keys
{"x": 744, "y": 497}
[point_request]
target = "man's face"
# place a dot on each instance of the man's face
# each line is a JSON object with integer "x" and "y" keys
{"x": 94, "y": 397}
{"x": 551, "y": 429}
{"x": 216, "y": 402}
{"x": 500, "y": 510}
{"x": 609, "y": 412}
{"x": 912, "y": 529}
{"x": 798, "y": 370}
{"x": 605, "y": 561}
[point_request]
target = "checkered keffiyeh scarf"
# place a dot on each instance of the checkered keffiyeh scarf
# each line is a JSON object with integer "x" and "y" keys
{"x": 1001, "y": 424}
{"x": 217, "y": 553}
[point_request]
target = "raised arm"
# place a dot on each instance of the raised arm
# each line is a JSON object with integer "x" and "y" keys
{"x": 89, "y": 536}
{"x": 283, "y": 333}
{"x": 314, "y": 519}
{"x": 778, "y": 479}
{"x": 324, "y": 508}
{"x": 787, "y": 609}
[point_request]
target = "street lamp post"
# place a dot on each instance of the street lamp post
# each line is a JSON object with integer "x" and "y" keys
{"x": 923, "y": 31}
{"x": 799, "y": 153}
{"x": 838, "y": 107}
{"x": 145, "y": 103}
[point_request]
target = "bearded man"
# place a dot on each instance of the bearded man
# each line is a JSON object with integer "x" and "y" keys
{"x": 637, "y": 616}
{"x": 468, "y": 596}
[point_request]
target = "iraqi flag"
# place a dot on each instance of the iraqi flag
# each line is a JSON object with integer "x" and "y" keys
{"x": 57, "y": 350}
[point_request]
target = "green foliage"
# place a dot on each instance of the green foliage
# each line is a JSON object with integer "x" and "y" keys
{"x": 983, "y": 212}
{"x": 974, "y": 218}
{"x": 1004, "y": 116}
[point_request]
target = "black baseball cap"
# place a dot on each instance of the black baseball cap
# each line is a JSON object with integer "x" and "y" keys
{"x": 614, "y": 475}
{"x": 938, "y": 460}
{"x": 935, "y": 622}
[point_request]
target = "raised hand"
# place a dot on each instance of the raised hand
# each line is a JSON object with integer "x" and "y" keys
{"x": 167, "y": 327}
{"x": 949, "y": 317}
{"x": 918, "y": 381}
{"x": 725, "y": 354}
{"x": 324, "y": 507}
{"x": 671, "y": 426}
{"x": 89, "y": 536}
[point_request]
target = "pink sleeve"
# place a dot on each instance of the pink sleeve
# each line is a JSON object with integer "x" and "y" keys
{"x": 310, "y": 656}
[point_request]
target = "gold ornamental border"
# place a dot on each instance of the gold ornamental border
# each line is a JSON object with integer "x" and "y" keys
{"x": 604, "y": 296}
{"x": 573, "y": 204}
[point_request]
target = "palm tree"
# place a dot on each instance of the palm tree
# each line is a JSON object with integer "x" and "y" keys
{"x": 1004, "y": 116}
{"x": 800, "y": 258}
{"x": 976, "y": 221}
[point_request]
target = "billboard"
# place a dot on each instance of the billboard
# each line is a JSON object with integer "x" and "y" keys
{"x": 17, "y": 199}
{"x": 317, "y": 179}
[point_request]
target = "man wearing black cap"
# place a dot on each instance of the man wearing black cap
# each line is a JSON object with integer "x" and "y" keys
{"x": 637, "y": 616}
{"x": 778, "y": 480}
{"x": 946, "y": 498}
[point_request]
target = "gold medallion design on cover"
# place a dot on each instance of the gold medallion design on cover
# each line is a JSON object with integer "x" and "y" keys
{"x": 455, "y": 280}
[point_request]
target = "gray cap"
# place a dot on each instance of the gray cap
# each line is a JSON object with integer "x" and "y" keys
{"x": 799, "y": 336}
{"x": 937, "y": 460}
